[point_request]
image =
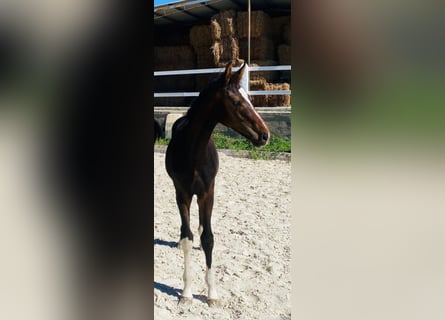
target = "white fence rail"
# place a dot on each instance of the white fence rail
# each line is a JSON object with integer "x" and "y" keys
{"x": 218, "y": 70}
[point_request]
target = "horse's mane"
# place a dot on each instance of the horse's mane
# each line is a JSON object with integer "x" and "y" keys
{"x": 215, "y": 84}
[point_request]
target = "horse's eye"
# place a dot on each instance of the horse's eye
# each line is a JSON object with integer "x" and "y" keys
{"x": 236, "y": 103}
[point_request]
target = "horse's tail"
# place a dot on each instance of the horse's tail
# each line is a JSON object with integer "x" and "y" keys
{"x": 157, "y": 131}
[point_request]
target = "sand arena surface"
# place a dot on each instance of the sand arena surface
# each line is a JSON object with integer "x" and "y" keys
{"x": 251, "y": 225}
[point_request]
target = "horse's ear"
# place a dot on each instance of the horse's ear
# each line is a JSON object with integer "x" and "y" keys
{"x": 228, "y": 73}
{"x": 241, "y": 70}
{"x": 236, "y": 77}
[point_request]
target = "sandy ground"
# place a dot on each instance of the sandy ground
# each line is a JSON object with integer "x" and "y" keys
{"x": 251, "y": 225}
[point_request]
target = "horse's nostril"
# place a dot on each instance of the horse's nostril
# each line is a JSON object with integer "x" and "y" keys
{"x": 265, "y": 137}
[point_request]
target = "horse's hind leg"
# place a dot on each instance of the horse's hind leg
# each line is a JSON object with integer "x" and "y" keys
{"x": 185, "y": 243}
{"x": 205, "y": 203}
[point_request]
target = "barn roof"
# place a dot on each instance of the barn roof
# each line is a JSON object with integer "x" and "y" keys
{"x": 196, "y": 11}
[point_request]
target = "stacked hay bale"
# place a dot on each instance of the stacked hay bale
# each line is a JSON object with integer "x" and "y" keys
{"x": 225, "y": 43}
{"x": 282, "y": 30}
{"x": 260, "y": 24}
{"x": 269, "y": 100}
{"x": 268, "y": 76}
{"x": 201, "y": 40}
{"x": 262, "y": 50}
{"x": 260, "y": 100}
{"x": 224, "y": 39}
{"x": 277, "y": 28}
{"x": 173, "y": 58}
{"x": 215, "y": 45}
{"x": 278, "y": 100}
{"x": 266, "y": 34}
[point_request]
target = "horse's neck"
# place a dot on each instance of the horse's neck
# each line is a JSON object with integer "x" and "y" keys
{"x": 202, "y": 122}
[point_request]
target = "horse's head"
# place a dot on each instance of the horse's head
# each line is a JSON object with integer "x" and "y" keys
{"x": 238, "y": 112}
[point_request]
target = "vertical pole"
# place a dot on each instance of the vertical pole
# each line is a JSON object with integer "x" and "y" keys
{"x": 248, "y": 45}
{"x": 248, "y": 32}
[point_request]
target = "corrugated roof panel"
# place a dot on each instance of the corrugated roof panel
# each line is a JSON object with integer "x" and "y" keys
{"x": 189, "y": 12}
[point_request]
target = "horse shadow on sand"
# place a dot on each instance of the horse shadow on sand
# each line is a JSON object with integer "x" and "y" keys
{"x": 175, "y": 292}
{"x": 171, "y": 244}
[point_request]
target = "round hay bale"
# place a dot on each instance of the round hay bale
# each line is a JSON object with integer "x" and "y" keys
{"x": 284, "y": 54}
{"x": 259, "y": 24}
{"x": 200, "y": 36}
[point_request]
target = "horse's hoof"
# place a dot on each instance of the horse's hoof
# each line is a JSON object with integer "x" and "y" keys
{"x": 213, "y": 302}
{"x": 185, "y": 300}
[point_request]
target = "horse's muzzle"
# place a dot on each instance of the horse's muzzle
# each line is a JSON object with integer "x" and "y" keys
{"x": 263, "y": 139}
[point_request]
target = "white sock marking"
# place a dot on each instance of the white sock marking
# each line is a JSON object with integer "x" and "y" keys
{"x": 187, "y": 246}
{"x": 210, "y": 279}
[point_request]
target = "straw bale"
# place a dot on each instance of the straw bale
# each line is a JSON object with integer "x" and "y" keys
{"x": 227, "y": 22}
{"x": 230, "y": 49}
{"x": 278, "y": 100}
{"x": 259, "y": 24}
{"x": 215, "y": 30}
{"x": 268, "y": 76}
{"x": 225, "y": 50}
{"x": 200, "y": 36}
{"x": 276, "y": 28}
{"x": 258, "y": 84}
{"x": 261, "y": 48}
{"x": 217, "y": 51}
{"x": 174, "y": 57}
{"x": 204, "y": 57}
{"x": 204, "y": 61}
{"x": 284, "y": 54}
{"x": 258, "y": 100}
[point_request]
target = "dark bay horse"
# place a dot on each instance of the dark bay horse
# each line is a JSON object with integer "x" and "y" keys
{"x": 192, "y": 160}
